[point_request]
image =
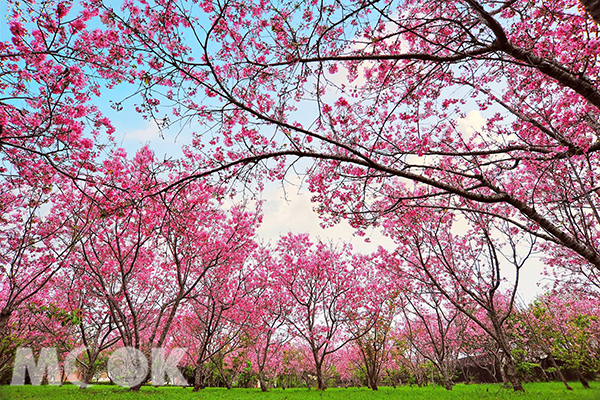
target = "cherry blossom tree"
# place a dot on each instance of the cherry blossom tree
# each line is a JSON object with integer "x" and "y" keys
{"x": 49, "y": 126}
{"x": 434, "y": 325}
{"x": 214, "y": 320}
{"x": 417, "y": 116}
{"x": 35, "y": 243}
{"x": 267, "y": 329}
{"x": 388, "y": 89}
{"x": 145, "y": 256}
{"x": 322, "y": 292}
{"x": 469, "y": 270}
{"x": 382, "y": 301}
{"x": 563, "y": 326}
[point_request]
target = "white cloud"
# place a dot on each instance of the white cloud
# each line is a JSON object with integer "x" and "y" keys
{"x": 296, "y": 215}
{"x": 150, "y": 132}
{"x": 471, "y": 124}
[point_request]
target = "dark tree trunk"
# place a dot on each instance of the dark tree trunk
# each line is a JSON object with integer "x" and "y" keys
{"x": 593, "y": 8}
{"x": 262, "y": 382}
{"x": 372, "y": 376}
{"x": 88, "y": 375}
{"x": 511, "y": 373}
{"x": 147, "y": 356}
{"x": 392, "y": 380}
{"x": 558, "y": 372}
{"x": 511, "y": 366}
{"x": 4, "y": 317}
{"x": 448, "y": 384}
{"x": 321, "y": 384}
{"x": 199, "y": 379}
{"x": 136, "y": 388}
{"x": 582, "y": 379}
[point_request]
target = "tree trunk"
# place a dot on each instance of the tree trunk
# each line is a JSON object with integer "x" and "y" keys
{"x": 544, "y": 374}
{"x": 321, "y": 385}
{"x": 392, "y": 380}
{"x": 136, "y": 388}
{"x": 559, "y": 373}
{"x": 320, "y": 382}
{"x": 448, "y": 384}
{"x": 447, "y": 381}
{"x": 466, "y": 375}
{"x": 147, "y": 356}
{"x": 500, "y": 368}
{"x": 372, "y": 380}
{"x": 511, "y": 373}
{"x": 227, "y": 383}
{"x": 446, "y": 377}
{"x": 582, "y": 379}
{"x": 262, "y": 382}
{"x": 593, "y": 8}
{"x": 88, "y": 375}
{"x": 199, "y": 381}
{"x": 4, "y": 317}
{"x": 373, "y": 377}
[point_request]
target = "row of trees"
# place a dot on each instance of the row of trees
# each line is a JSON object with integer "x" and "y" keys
{"x": 110, "y": 263}
{"x": 376, "y": 93}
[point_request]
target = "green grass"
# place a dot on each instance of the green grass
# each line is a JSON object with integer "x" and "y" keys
{"x": 533, "y": 391}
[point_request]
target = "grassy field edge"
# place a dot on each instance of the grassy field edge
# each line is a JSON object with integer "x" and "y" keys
{"x": 533, "y": 391}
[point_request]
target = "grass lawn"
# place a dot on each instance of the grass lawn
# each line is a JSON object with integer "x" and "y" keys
{"x": 537, "y": 391}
